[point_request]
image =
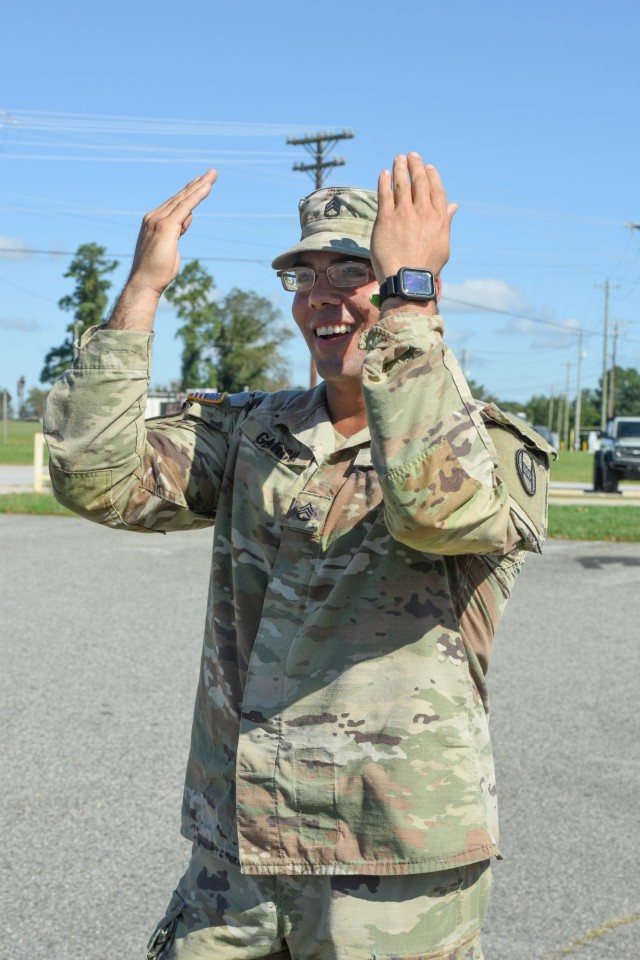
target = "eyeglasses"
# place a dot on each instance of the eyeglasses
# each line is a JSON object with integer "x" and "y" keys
{"x": 345, "y": 273}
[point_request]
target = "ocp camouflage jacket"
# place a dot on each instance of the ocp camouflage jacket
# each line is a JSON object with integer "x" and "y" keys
{"x": 340, "y": 722}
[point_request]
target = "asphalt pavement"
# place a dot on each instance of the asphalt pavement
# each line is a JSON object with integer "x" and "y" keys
{"x": 100, "y": 635}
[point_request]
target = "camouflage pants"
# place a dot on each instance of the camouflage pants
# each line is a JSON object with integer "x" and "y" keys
{"x": 217, "y": 913}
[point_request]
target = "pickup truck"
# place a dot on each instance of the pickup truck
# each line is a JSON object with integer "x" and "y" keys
{"x": 619, "y": 455}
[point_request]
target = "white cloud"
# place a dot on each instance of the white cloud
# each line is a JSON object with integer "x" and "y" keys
{"x": 555, "y": 335}
{"x": 544, "y": 331}
{"x": 560, "y": 337}
{"x": 484, "y": 293}
{"x": 18, "y": 323}
{"x": 12, "y": 249}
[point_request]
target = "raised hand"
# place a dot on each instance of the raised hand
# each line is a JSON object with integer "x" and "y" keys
{"x": 413, "y": 224}
{"x": 156, "y": 261}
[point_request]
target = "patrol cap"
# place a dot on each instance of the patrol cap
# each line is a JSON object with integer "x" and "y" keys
{"x": 337, "y": 219}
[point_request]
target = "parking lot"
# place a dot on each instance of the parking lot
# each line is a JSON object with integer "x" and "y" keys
{"x": 100, "y": 641}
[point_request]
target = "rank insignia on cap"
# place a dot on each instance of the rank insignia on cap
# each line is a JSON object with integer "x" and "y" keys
{"x": 332, "y": 209}
{"x": 206, "y": 397}
{"x": 526, "y": 467}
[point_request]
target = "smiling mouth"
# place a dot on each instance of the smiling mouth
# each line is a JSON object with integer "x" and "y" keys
{"x": 333, "y": 330}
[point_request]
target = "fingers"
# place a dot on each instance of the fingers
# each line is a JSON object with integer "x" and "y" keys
{"x": 385, "y": 196}
{"x": 412, "y": 181}
{"x": 401, "y": 184}
{"x": 190, "y": 196}
{"x": 156, "y": 260}
{"x": 186, "y": 223}
{"x": 436, "y": 190}
{"x": 412, "y": 227}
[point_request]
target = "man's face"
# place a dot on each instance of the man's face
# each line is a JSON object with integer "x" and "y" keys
{"x": 332, "y": 319}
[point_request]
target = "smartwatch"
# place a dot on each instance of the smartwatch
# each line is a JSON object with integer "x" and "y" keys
{"x": 410, "y": 284}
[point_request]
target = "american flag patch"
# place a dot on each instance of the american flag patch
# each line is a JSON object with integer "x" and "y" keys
{"x": 206, "y": 397}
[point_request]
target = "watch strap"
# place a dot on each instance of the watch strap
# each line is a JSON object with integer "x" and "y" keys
{"x": 388, "y": 289}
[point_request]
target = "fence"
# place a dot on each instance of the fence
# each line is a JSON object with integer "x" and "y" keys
{"x": 40, "y": 474}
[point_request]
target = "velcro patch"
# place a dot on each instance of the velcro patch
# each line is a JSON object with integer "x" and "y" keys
{"x": 523, "y": 464}
{"x": 200, "y": 397}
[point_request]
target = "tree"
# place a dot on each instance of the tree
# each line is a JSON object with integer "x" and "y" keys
{"x": 34, "y": 404}
{"x": 590, "y": 410}
{"x": 87, "y": 303}
{"x": 6, "y": 403}
{"x": 626, "y": 386}
{"x": 230, "y": 343}
{"x": 248, "y": 346}
{"x": 191, "y": 293}
{"x": 480, "y": 392}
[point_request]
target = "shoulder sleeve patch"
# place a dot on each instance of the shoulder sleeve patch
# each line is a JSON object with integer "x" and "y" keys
{"x": 523, "y": 465}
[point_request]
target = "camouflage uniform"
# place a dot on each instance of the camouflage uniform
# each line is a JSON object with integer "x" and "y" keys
{"x": 340, "y": 723}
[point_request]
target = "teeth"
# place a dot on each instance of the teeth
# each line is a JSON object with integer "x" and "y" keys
{"x": 332, "y": 330}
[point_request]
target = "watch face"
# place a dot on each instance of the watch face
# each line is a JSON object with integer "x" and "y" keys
{"x": 417, "y": 283}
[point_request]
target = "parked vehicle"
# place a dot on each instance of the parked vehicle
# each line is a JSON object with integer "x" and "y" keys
{"x": 619, "y": 455}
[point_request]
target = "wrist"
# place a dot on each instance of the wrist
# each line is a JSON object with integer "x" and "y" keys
{"x": 397, "y": 305}
{"x": 135, "y": 309}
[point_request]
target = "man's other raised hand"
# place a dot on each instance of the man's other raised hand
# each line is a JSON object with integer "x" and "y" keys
{"x": 413, "y": 225}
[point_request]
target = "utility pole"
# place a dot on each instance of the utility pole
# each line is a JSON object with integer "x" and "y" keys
{"x": 612, "y": 381}
{"x": 565, "y": 428}
{"x": 319, "y": 145}
{"x": 578, "y": 410}
{"x": 560, "y": 417}
{"x": 604, "y": 407}
{"x": 551, "y": 399}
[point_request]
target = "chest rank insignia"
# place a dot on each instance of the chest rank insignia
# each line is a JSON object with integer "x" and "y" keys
{"x": 526, "y": 467}
{"x": 332, "y": 209}
{"x": 305, "y": 512}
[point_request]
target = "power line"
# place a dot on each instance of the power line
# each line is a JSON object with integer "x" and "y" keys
{"x": 105, "y": 123}
{"x": 577, "y": 331}
{"x": 129, "y": 255}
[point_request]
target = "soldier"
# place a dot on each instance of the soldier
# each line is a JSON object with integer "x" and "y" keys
{"x": 340, "y": 793}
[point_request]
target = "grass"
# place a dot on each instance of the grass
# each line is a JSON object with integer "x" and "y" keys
{"x": 569, "y": 522}
{"x": 594, "y": 523}
{"x": 40, "y": 504}
{"x": 574, "y": 466}
{"x": 18, "y": 450}
{"x": 565, "y": 523}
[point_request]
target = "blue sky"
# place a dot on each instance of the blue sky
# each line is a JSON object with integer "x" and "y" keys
{"x": 528, "y": 110}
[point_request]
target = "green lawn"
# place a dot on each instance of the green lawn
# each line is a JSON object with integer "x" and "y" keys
{"x": 569, "y": 522}
{"x": 565, "y": 523}
{"x": 594, "y": 523}
{"x": 18, "y": 450}
{"x": 38, "y": 503}
{"x": 573, "y": 465}
{"x": 577, "y": 467}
